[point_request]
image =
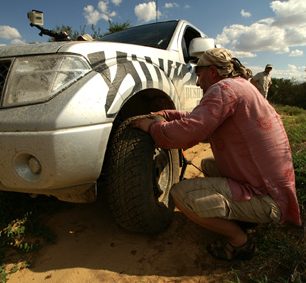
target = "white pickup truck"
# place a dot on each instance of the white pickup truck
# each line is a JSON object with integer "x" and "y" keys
{"x": 65, "y": 112}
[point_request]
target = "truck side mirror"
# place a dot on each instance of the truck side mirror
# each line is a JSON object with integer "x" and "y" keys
{"x": 199, "y": 44}
{"x": 36, "y": 18}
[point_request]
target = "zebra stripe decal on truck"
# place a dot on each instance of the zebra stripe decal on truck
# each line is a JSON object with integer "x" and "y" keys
{"x": 132, "y": 74}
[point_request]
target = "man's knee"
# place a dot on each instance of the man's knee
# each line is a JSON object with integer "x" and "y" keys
{"x": 177, "y": 190}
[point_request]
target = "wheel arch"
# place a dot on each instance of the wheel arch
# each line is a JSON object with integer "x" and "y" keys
{"x": 144, "y": 102}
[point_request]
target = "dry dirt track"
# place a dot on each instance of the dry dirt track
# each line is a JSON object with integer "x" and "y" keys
{"x": 91, "y": 248}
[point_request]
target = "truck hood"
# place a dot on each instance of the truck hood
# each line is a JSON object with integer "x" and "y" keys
{"x": 84, "y": 48}
{"x": 30, "y": 49}
{"x": 110, "y": 48}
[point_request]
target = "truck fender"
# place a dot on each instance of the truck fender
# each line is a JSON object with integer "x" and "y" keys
{"x": 131, "y": 75}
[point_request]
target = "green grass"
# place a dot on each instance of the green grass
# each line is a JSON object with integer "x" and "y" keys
{"x": 21, "y": 230}
{"x": 20, "y": 225}
{"x": 294, "y": 120}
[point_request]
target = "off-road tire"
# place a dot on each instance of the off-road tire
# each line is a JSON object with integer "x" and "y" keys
{"x": 134, "y": 197}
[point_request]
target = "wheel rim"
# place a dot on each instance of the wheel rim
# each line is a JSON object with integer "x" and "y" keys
{"x": 162, "y": 175}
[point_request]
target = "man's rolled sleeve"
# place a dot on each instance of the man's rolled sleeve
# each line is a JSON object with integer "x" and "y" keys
{"x": 198, "y": 125}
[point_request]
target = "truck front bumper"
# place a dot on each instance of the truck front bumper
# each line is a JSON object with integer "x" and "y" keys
{"x": 42, "y": 161}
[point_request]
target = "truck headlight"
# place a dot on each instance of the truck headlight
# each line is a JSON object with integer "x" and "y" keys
{"x": 35, "y": 79}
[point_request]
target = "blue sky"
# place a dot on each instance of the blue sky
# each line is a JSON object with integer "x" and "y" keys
{"x": 256, "y": 31}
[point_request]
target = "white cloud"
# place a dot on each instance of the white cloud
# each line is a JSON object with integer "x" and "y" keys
{"x": 291, "y": 12}
{"x": 170, "y": 5}
{"x": 93, "y": 15}
{"x": 17, "y": 41}
{"x": 8, "y": 32}
{"x": 292, "y": 67}
{"x": 244, "y": 54}
{"x": 187, "y": 6}
{"x": 103, "y": 6}
{"x": 296, "y": 53}
{"x": 117, "y": 2}
{"x": 276, "y": 34}
{"x": 146, "y": 11}
{"x": 253, "y": 38}
{"x": 245, "y": 14}
{"x": 292, "y": 72}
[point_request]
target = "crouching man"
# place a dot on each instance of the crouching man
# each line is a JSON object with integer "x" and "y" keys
{"x": 251, "y": 177}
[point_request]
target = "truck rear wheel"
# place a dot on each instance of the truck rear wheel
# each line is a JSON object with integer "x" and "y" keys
{"x": 140, "y": 177}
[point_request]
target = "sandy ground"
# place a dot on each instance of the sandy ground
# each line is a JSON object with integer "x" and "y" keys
{"x": 91, "y": 248}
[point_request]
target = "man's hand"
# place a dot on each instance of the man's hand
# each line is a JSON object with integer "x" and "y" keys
{"x": 143, "y": 123}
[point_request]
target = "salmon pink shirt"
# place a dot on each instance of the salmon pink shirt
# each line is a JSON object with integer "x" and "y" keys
{"x": 248, "y": 141}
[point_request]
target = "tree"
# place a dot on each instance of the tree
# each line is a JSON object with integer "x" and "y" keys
{"x": 96, "y": 33}
{"x": 73, "y": 34}
{"x": 115, "y": 27}
{"x": 288, "y": 92}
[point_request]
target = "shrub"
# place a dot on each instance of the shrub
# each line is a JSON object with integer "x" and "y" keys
{"x": 287, "y": 92}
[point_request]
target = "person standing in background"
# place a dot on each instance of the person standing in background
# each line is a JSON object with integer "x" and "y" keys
{"x": 263, "y": 81}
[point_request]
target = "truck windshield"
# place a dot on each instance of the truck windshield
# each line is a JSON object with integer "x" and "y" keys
{"x": 156, "y": 35}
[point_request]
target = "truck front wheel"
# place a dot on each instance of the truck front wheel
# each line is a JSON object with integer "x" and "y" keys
{"x": 139, "y": 179}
